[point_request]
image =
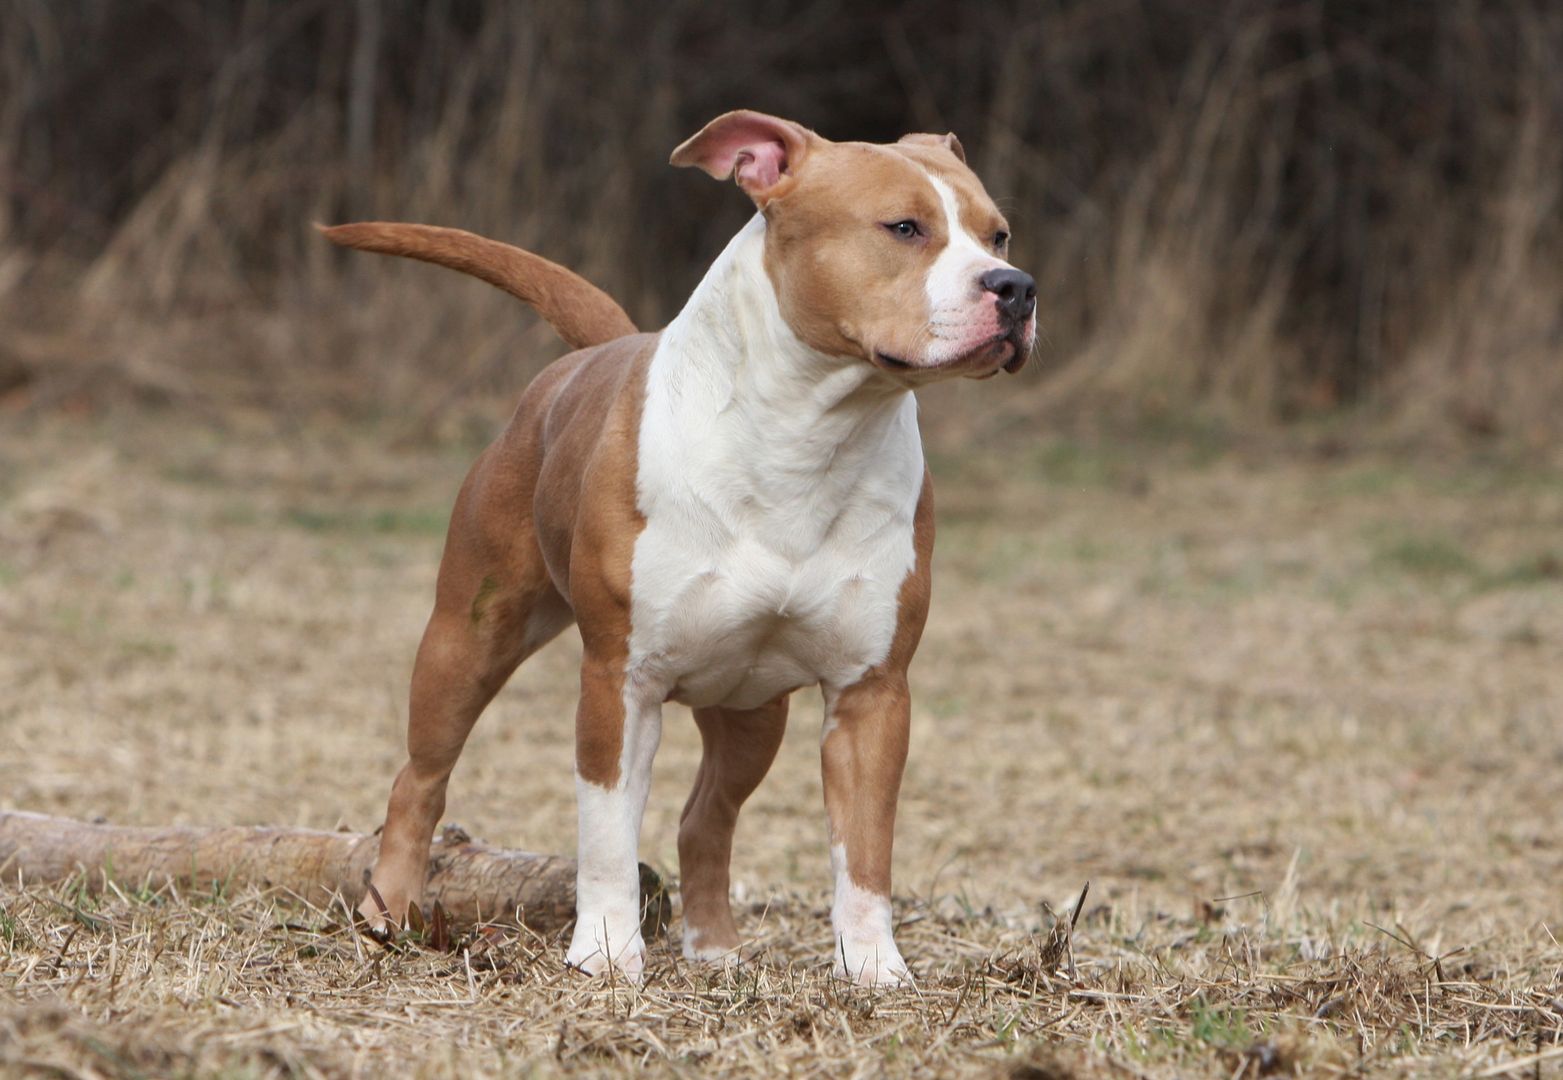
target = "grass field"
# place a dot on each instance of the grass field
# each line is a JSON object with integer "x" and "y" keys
{"x": 1294, "y": 717}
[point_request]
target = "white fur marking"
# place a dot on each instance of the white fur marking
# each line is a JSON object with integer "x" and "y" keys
{"x": 698, "y": 953}
{"x": 865, "y": 947}
{"x": 778, "y": 486}
{"x": 607, "y": 880}
{"x": 960, "y": 315}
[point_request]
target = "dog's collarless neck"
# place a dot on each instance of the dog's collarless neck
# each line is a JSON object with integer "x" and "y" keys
{"x": 731, "y": 338}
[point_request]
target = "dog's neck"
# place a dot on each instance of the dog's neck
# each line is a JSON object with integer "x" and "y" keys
{"x": 730, "y": 366}
{"x": 746, "y": 429}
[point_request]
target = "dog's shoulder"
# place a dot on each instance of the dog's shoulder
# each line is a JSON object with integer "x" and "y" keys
{"x": 579, "y": 393}
{"x": 576, "y": 433}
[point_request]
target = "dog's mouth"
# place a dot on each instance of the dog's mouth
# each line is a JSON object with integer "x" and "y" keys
{"x": 1002, "y": 352}
{"x": 1020, "y": 351}
{"x": 891, "y": 363}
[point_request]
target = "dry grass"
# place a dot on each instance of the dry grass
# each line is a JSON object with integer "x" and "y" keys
{"x": 1294, "y": 719}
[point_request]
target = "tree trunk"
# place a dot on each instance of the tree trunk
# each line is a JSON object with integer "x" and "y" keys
{"x": 473, "y": 882}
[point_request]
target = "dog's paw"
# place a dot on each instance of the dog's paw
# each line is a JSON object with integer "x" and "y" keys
{"x": 871, "y": 963}
{"x": 381, "y": 916}
{"x": 594, "y": 950}
{"x": 698, "y": 949}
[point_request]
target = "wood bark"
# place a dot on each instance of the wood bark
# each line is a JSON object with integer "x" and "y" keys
{"x": 473, "y": 882}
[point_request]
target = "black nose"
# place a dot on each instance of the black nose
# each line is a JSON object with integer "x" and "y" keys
{"x": 1016, "y": 291}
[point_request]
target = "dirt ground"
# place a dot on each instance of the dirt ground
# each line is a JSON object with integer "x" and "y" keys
{"x": 1293, "y": 716}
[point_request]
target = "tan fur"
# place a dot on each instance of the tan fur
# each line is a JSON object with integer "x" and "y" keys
{"x": 845, "y": 286}
{"x": 541, "y": 535}
{"x": 737, "y": 749}
{"x": 582, "y": 314}
{"x": 601, "y": 547}
{"x": 545, "y": 527}
{"x": 948, "y": 141}
{"x": 864, "y": 754}
{"x": 978, "y": 213}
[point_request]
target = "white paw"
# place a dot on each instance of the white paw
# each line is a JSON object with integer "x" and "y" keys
{"x": 861, "y": 920}
{"x": 697, "y": 951}
{"x": 871, "y": 963}
{"x": 595, "y": 948}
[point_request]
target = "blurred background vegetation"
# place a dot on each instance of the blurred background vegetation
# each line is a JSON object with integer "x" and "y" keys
{"x": 1251, "y": 213}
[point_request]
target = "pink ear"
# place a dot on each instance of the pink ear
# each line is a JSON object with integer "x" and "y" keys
{"x": 760, "y": 165}
{"x": 765, "y": 152}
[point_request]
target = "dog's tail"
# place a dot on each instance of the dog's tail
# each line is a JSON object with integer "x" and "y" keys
{"x": 579, "y": 311}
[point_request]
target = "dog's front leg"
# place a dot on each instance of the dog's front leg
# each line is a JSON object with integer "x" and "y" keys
{"x": 863, "y": 753}
{"x": 616, "y": 735}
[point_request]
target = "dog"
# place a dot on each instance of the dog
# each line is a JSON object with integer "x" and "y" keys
{"x": 730, "y": 510}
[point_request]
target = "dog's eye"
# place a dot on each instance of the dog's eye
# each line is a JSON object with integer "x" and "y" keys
{"x": 1000, "y": 240}
{"x": 905, "y": 230}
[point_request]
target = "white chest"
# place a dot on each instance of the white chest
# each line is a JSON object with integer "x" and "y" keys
{"x": 734, "y": 605}
{"x": 778, "y": 488}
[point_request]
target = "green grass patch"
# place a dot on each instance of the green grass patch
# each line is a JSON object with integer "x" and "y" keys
{"x": 1538, "y": 569}
{"x": 11, "y": 934}
{"x": 1090, "y": 550}
{"x": 1195, "y": 439}
{"x": 382, "y": 522}
{"x": 947, "y": 706}
{"x": 1223, "y": 1028}
{"x": 1426, "y": 556}
{"x": 1156, "y": 1044}
{"x": 198, "y": 472}
{"x": 1372, "y": 479}
{"x": 1077, "y": 464}
{"x": 147, "y": 648}
{"x": 238, "y": 515}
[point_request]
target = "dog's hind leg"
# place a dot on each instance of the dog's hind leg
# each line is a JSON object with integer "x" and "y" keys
{"x": 494, "y": 607}
{"x": 738, "y": 748}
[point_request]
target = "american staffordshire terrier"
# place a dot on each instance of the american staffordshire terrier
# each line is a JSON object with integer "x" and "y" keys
{"x": 730, "y": 510}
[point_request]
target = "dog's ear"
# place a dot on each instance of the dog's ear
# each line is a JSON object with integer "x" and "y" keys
{"x": 947, "y": 140}
{"x": 764, "y": 151}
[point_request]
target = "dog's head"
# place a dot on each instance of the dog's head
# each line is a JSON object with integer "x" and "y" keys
{"x": 893, "y": 253}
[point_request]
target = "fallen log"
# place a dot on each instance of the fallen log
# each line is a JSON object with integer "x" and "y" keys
{"x": 473, "y": 882}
